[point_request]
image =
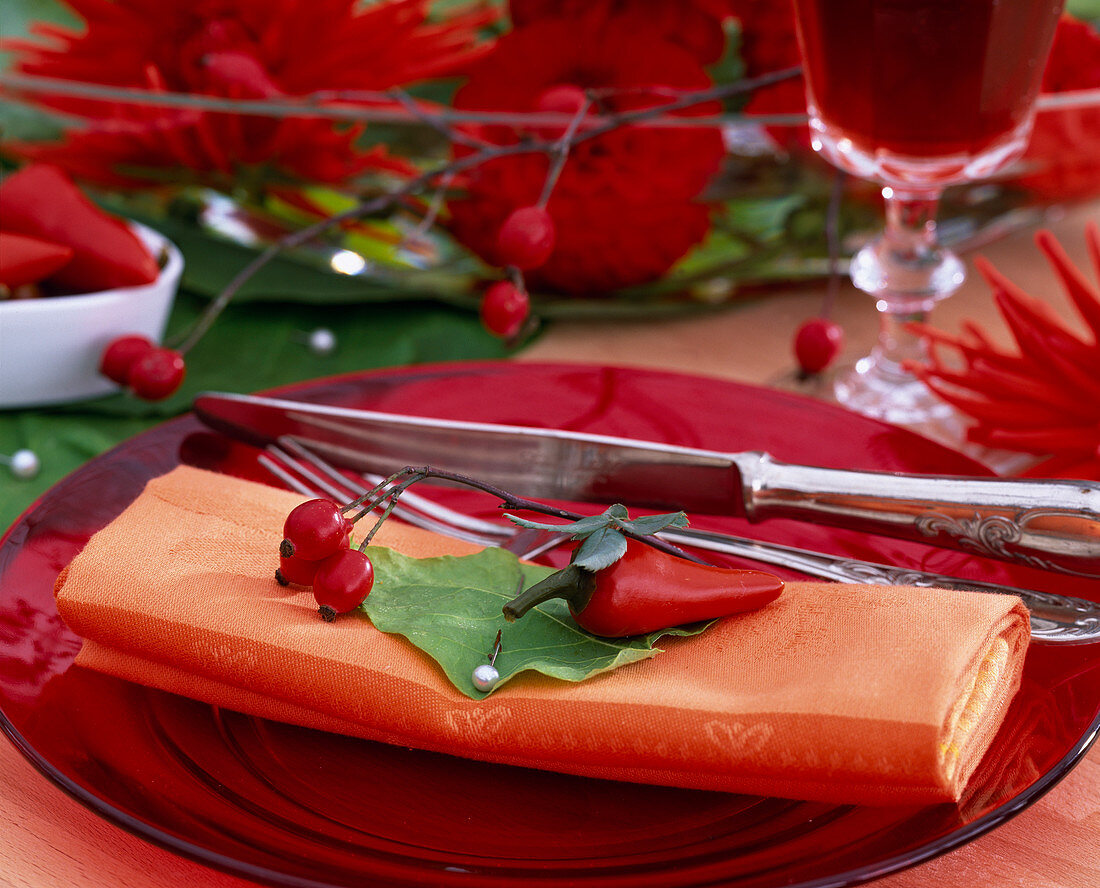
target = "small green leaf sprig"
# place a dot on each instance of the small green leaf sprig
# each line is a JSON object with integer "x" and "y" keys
{"x": 603, "y": 537}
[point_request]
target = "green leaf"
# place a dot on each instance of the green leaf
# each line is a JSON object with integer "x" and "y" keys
{"x": 650, "y": 524}
{"x": 600, "y": 549}
{"x": 249, "y": 349}
{"x": 450, "y": 608}
{"x": 1084, "y": 9}
{"x": 578, "y": 528}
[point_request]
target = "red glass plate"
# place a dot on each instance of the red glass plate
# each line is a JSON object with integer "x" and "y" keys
{"x": 290, "y": 806}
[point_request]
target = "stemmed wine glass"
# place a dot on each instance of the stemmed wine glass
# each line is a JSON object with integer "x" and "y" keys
{"x": 917, "y": 95}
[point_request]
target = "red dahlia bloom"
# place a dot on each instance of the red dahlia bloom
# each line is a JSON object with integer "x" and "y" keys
{"x": 240, "y": 49}
{"x": 694, "y": 25}
{"x": 625, "y": 207}
{"x": 769, "y": 43}
{"x": 1043, "y": 397}
{"x": 1063, "y": 158}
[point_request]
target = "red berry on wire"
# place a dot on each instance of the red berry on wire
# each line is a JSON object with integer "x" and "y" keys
{"x": 817, "y": 344}
{"x": 295, "y": 570}
{"x": 565, "y": 98}
{"x": 526, "y": 238}
{"x": 156, "y": 374}
{"x": 504, "y": 308}
{"x": 314, "y": 530}
{"x": 120, "y": 356}
{"x": 342, "y": 583}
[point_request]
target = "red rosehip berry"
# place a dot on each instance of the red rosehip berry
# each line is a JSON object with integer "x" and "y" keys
{"x": 295, "y": 570}
{"x": 504, "y": 308}
{"x": 120, "y": 356}
{"x": 817, "y": 344}
{"x": 314, "y": 530}
{"x": 342, "y": 583}
{"x": 526, "y": 238}
{"x": 565, "y": 98}
{"x": 157, "y": 374}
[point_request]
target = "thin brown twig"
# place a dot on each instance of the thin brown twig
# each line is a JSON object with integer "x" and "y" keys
{"x": 470, "y": 161}
{"x": 436, "y": 122}
{"x": 508, "y": 500}
{"x": 363, "y": 208}
{"x": 561, "y": 153}
{"x": 435, "y": 205}
{"x": 832, "y": 240}
{"x": 339, "y": 105}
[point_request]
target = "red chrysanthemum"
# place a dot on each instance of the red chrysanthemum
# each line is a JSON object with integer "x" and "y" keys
{"x": 241, "y": 49}
{"x": 1044, "y": 399}
{"x": 1063, "y": 158}
{"x": 695, "y": 25}
{"x": 625, "y": 207}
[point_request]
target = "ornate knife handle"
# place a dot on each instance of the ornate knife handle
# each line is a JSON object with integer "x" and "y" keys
{"x": 1054, "y": 618}
{"x": 1048, "y": 524}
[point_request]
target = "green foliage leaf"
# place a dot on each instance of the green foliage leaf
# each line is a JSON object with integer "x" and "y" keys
{"x": 650, "y": 524}
{"x": 604, "y": 544}
{"x": 248, "y": 349}
{"x": 579, "y": 528}
{"x": 450, "y": 608}
{"x": 600, "y": 549}
{"x": 1088, "y": 10}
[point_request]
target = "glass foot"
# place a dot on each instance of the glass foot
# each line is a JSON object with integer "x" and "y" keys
{"x": 898, "y": 398}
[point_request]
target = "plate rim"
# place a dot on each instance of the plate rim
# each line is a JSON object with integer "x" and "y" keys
{"x": 205, "y": 856}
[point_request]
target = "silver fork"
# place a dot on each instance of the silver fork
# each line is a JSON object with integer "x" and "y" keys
{"x": 1054, "y": 618}
{"x": 307, "y": 473}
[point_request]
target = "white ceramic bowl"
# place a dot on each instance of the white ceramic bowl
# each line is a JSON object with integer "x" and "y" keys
{"x": 50, "y": 348}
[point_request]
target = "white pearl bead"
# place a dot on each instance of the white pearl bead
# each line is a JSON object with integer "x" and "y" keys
{"x": 322, "y": 341}
{"x": 24, "y": 463}
{"x": 485, "y": 677}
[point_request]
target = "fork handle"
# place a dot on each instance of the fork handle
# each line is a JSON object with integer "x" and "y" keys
{"x": 1049, "y": 524}
{"x": 1054, "y": 618}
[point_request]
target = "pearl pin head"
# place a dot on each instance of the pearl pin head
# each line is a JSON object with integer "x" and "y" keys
{"x": 23, "y": 463}
{"x": 485, "y": 677}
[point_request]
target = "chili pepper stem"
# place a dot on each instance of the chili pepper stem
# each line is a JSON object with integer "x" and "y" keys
{"x": 573, "y": 584}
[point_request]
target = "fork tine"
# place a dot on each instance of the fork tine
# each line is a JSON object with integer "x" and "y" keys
{"x": 313, "y": 467}
{"x": 1055, "y": 618}
{"x": 322, "y": 476}
{"x": 283, "y": 475}
{"x": 304, "y": 479}
{"x": 409, "y": 499}
{"x": 449, "y": 516}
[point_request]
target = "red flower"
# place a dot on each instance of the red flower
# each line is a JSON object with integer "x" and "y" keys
{"x": 769, "y": 43}
{"x": 1063, "y": 158}
{"x": 624, "y": 208}
{"x": 1044, "y": 399}
{"x": 243, "y": 49}
{"x": 694, "y": 25}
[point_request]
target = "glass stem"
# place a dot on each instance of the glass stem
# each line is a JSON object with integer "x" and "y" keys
{"x": 908, "y": 272}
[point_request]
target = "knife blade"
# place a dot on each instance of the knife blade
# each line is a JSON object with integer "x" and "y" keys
{"x": 1049, "y": 524}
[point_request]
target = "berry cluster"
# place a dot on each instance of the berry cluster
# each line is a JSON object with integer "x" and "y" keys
{"x": 316, "y": 552}
{"x": 150, "y": 371}
{"x": 524, "y": 242}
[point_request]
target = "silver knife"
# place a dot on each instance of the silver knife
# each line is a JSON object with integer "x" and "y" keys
{"x": 1048, "y": 524}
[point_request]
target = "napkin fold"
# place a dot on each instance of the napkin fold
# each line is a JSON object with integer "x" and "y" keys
{"x": 840, "y": 693}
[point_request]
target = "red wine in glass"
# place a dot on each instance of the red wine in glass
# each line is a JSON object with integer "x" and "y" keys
{"x": 917, "y": 95}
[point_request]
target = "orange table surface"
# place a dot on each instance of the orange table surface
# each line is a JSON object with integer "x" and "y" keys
{"x": 47, "y": 840}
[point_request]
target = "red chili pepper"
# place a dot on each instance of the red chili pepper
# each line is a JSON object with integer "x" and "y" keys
{"x": 41, "y": 201}
{"x": 647, "y": 590}
{"x": 27, "y": 260}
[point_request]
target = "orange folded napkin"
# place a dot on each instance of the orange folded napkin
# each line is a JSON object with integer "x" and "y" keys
{"x": 848, "y": 694}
